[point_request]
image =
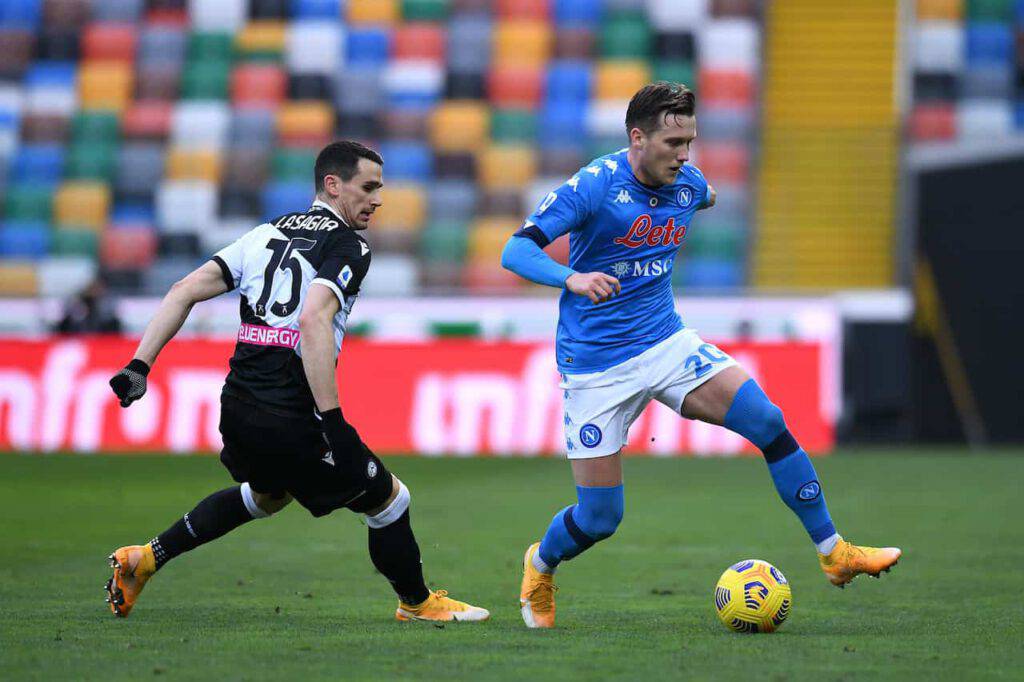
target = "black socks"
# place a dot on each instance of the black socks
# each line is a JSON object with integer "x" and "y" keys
{"x": 221, "y": 512}
{"x": 394, "y": 552}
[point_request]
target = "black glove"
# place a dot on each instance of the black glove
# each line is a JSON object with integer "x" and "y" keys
{"x": 130, "y": 383}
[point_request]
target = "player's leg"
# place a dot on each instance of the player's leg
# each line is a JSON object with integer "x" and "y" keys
{"x": 734, "y": 400}
{"x": 599, "y": 409}
{"x": 354, "y": 478}
{"x": 214, "y": 516}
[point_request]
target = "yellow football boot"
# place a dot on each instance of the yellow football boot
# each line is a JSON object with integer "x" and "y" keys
{"x": 440, "y": 607}
{"x": 848, "y": 561}
{"x": 133, "y": 566}
{"x": 537, "y": 595}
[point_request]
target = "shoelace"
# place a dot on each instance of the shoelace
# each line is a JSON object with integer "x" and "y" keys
{"x": 543, "y": 595}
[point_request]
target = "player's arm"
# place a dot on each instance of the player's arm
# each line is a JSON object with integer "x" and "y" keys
{"x": 525, "y": 256}
{"x": 712, "y": 196}
{"x": 316, "y": 326}
{"x": 201, "y": 284}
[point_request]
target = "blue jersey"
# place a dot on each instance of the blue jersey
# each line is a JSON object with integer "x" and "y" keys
{"x": 621, "y": 227}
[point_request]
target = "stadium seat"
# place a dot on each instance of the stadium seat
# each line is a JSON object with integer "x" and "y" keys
{"x": 445, "y": 242}
{"x": 240, "y": 204}
{"x": 61, "y": 277}
{"x": 117, "y": 10}
{"x": 91, "y": 161}
{"x": 405, "y": 123}
{"x": 100, "y": 127}
{"x": 24, "y": 240}
{"x": 82, "y": 203}
{"x": 989, "y": 43}
{"x": 164, "y": 272}
{"x": 66, "y": 13}
{"x": 419, "y": 41}
{"x": 625, "y": 36}
{"x": 200, "y": 124}
{"x": 358, "y": 91}
{"x": 193, "y": 164}
{"x": 207, "y": 80}
{"x": 425, "y": 10}
{"x": 128, "y": 248}
{"x": 726, "y": 88}
{"x": 38, "y": 163}
{"x": 730, "y": 44}
{"x": 253, "y": 129}
{"x": 990, "y": 10}
{"x": 316, "y": 9}
{"x": 105, "y": 85}
{"x": 451, "y": 200}
{"x": 561, "y": 123}
{"x": 393, "y": 275}
{"x": 673, "y": 15}
{"x": 500, "y": 202}
{"x": 712, "y": 273}
{"x": 273, "y": 9}
{"x": 157, "y": 82}
{"x": 938, "y": 46}
{"x": 109, "y": 41}
{"x": 185, "y": 206}
{"x": 293, "y": 164}
{"x": 984, "y": 119}
{"x": 513, "y": 125}
{"x": 465, "y": 85}
{"x": 43, "y": 128}
{"x": 469, "y": 42}
{"x": 575, "y": 12}
{"x": 680, "y": 46}
{"x": 263, "y": 40}
{"x": 258, "y": 85}
{"x": 314, "y": 47}
{"x": 75, "y": 241}
{"x": 28, "y": 202}
{"x": 522, "y": 43}
{"x": 933, "y": 122}
{"x": 17, "y": 279}
{"x": 749, "y": 9}
{"x": 531, "y": 10}
{"x": 140, "y": 167}
{"x": 459, "y": 126}
{"x": 404, "y": 209}
{"x": 284, "y": 197}
{"x": 514, "y": 85}
{"x": 217, "y": 15}
{"x": 617, "y": 80}
{"x": 367, "y": 45}
{"x": 247, "y": 168}
{"x": 676, "y": 71}
{"x": 16, "y": 47}
{"x": 413, "y": 83}
{"x": 308, "y": 86}
{"x": 149, "y": 120}
{"x": 178, "y": 245}
{"x": 57, "y": 44}
{"x": 408, "y": 161}
{"x": 307, "y": 124}
{"x": 569, "y": 81}
{"x": 161, "y": 45}
{"x": 948, "y": 10}
{"x": 604, "y": 120}
{"x": 988, "y": 82}
{"x": 930, "y": 87}
{"x": 507, "y": 167}
{"x": 725, "y": 161}
{"x": 373, "y": 11}
{"x": 575, "y": 42}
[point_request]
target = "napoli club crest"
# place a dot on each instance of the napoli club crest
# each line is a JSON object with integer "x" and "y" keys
{"x": 590, "y": 435}
{"x": 685, "y": 196}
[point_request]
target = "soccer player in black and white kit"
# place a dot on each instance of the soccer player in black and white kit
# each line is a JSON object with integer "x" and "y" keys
{"x": 284, "y": 434}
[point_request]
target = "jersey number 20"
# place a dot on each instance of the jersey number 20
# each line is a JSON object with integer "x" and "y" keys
{"x": 283, "y": 258}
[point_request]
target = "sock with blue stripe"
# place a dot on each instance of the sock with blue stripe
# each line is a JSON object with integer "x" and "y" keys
{"x": 753, "y": 416}
{"x": 575, "y": 529}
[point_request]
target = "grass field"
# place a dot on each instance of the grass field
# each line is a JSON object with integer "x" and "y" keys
{"x": 297, "y": 598}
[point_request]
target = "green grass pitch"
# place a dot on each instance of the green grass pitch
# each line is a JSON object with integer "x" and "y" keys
{"x": 297, "y": 598}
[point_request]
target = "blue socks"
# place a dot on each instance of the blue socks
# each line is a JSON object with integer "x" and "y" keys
{"x": 576, "y": 528}
{"x": 755, "y": 418}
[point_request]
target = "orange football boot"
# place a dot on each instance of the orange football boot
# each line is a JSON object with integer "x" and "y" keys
{"x": 537, "y": 594}
{"x": 847, "y": 561}
{"x": 440, "y": 607}
{"x": 133, "y": 566}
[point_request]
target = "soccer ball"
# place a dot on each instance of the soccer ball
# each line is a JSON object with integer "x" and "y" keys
{"x": 753, "y": 596}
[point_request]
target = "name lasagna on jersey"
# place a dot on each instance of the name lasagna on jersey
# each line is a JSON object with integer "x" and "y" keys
{"x": 631, "y": 231}
{"x": 273, "y": 266}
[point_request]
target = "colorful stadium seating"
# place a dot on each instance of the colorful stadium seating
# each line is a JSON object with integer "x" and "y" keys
{"x": 143, "y": 134}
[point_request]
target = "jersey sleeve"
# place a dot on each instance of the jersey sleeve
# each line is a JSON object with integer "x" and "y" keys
{"x": 568, "y": 207}
{"x": 230, "y": 259}
{"x": 702, "y": 187}
{"x": 344, "y": 266}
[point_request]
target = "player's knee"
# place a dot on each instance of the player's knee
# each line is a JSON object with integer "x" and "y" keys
{"x": 263, "y": 505}
{"x": 600, "y": 511}
{"x": 377, "y": 482}
{"x": 392, "y": 510}
{"x": 754, "y": 416}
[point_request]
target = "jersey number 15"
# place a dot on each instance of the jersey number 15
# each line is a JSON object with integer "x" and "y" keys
{"x": 283, "y": 259}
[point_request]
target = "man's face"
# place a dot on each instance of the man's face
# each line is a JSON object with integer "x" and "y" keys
{"x": 664, "y": 150}
{"x": 358, "y": 198}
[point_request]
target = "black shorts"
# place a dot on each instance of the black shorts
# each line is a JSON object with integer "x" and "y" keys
{"x": 275, "y": 454}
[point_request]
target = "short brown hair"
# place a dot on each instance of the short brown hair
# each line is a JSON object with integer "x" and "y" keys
{"x": 653, "y": 102}
{"x": 340, "y": 158}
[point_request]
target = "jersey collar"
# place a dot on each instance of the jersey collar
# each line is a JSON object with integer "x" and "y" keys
{"x": 319, "y": 203}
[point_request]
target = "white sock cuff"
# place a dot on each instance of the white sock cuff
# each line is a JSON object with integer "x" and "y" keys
{"x": 250, "y": 503}
{"x": 828, "y": 544}
{"x": 393, "y": 510}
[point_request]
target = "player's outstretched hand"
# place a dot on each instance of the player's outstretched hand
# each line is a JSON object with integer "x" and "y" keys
{"x": 130, "y": 383}
{"x": 596, "y": 286}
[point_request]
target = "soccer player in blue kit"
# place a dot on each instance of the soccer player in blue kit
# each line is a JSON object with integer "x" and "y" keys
{"x": 621, "y": 343}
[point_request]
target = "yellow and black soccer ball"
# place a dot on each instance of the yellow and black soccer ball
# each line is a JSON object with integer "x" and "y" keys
{"x": 753, "y": 596}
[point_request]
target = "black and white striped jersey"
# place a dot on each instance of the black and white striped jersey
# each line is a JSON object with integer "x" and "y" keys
{"x": 273, "y": 266}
